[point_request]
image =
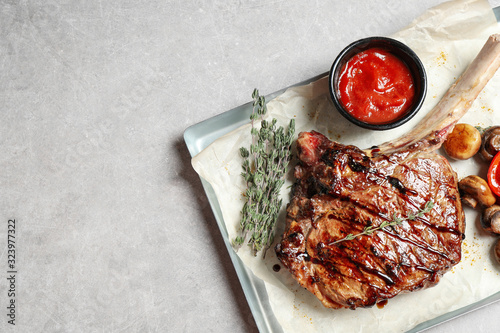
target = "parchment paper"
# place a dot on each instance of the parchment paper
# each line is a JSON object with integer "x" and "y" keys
{"x": 446, "y": 38}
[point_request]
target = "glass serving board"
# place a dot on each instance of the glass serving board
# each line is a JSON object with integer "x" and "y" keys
{"x": 197, "y": 137}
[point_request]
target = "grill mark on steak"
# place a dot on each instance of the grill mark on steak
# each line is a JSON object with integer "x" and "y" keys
{"x": 384, "y": 273}
{"x": 380, "y": 267}
{"x": 419, "y": 245}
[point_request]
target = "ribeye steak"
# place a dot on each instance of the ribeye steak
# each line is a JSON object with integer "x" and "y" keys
{"x": 341, "y": 190}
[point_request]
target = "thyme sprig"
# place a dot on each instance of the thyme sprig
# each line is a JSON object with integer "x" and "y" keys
{"x": 395, "y": 221}
{"x": 264, "y": 168}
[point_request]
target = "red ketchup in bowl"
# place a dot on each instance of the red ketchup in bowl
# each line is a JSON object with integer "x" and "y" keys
{"x": 376, "y": 87}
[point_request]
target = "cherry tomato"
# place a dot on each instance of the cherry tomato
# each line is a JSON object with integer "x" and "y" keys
{"x": 494, "y": 174}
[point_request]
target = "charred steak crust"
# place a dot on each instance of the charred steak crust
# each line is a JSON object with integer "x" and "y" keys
{"x": 340, "y": 190}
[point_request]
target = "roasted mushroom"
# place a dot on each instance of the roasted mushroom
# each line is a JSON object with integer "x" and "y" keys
{"x": 490, "y": 143}
{"x": 463, "y": 142}
{"x": 490, "y": 219}
{"x": 497, "y": 251}
{"x": 474, "y": 190}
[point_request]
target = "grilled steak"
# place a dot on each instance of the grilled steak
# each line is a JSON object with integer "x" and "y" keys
{"x": 342, "y": 190}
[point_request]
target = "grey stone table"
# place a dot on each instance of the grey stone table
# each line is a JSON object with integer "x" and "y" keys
{"x": 113, "y": 232}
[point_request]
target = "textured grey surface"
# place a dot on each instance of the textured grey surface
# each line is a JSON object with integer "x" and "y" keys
{"x": 113, "y": 230}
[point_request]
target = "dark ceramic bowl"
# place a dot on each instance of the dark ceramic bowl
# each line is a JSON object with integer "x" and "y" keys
{"x": 396, "y": 48}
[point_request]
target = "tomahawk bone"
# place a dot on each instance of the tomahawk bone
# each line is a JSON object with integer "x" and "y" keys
{"x": 433, "y": 129}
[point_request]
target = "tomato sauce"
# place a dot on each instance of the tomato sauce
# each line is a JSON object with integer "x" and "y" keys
{"x": 376, "y": 87}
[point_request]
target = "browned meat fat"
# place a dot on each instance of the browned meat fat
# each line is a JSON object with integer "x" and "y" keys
{"x": 341, "y": 190}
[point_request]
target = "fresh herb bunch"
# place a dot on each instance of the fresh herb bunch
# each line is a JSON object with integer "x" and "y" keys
{"x": 395, "y": 221}
{"x": 264, "y": 169}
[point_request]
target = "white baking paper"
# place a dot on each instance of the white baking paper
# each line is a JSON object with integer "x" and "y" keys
{"x": 446, "y": 38}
